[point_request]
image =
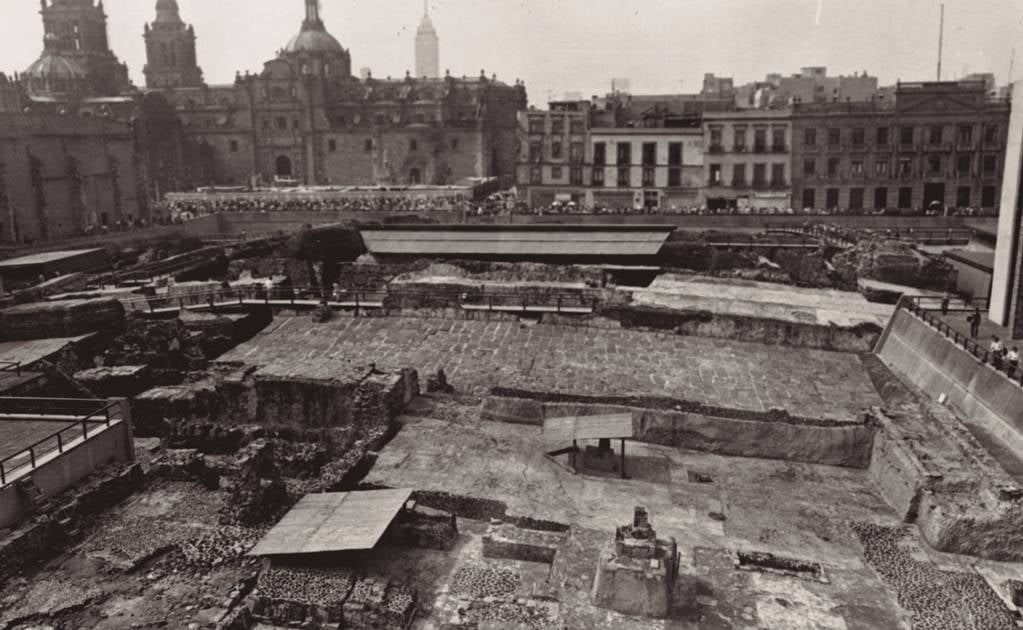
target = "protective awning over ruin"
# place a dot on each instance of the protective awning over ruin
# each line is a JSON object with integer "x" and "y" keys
{"x": 612, "y": 426}
{"x": 622, "y": 241}
{"x": 333, "y": 521}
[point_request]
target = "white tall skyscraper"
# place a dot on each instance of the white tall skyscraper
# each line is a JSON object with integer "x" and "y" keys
{"x": 427, "y": 46}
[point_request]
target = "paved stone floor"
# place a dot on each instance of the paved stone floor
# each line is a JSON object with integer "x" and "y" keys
{"x": 477, "y": 355}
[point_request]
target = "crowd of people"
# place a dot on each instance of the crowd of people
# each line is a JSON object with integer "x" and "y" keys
{"x": 575, "y": 208}
{"x": 191, "y": 208}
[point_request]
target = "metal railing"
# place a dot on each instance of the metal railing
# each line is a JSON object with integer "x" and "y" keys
{"x": 103, "y": 412}
{"x": 1013, "y": 373}
{"x": 468, "y": 297}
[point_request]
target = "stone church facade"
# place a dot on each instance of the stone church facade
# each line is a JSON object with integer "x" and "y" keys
{"x": 305, "y": 119}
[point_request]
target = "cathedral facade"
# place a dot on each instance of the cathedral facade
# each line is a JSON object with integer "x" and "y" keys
{"x": 305, "y": 119}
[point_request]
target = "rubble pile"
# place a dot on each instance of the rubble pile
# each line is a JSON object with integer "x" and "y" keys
{"x": 938, "y": 599}
{"x": 46, "y": 601}
{"x": 895, "y": 262}
{"x": 518, "y": 613}
{"x": 379, "y": 603}
{"x": 167, "y": 347}
{"x": 219, "y": 546}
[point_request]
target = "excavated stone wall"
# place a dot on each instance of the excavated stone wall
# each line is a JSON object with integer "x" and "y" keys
{"x": 69, "y": 318}
{"x": 686, "y": 424}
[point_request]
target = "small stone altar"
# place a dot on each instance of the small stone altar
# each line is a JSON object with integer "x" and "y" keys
{"x": 636, "y": 573}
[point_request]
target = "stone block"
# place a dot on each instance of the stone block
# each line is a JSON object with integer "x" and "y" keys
{"x": 125, "y": 381}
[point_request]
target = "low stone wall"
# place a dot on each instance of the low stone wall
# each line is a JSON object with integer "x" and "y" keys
{"x": 69, "y": 318}
{"x": 690, "y": 425}
{"x": 861, "y": 338}
{"x": 45, "y": 535}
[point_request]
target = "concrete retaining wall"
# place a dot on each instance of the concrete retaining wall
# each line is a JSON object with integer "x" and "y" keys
{"x": 936, "y": 365}
{"x": 58, "y": 472}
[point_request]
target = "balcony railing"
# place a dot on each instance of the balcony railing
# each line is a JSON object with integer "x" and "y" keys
{"x": 716, "y": 148}
{"x": 779, "y": 148}
{"x": 739, "y": 148}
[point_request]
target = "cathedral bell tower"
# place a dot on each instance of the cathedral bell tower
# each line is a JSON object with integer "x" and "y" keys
{"x": 170, "y": 50}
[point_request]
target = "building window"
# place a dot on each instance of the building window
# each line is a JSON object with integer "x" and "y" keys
{"x": 368, "y": 145}
{"x": 990, "y": 164}
{"x": 649, "y": 177}
{"x": 834, "y": 164}
{"x": 759, "y": 140}
{"x": 740, "y": 140}
{"x": 715, "y": 175}
{"x": 649, "y": 154}
{"x": 880, "y": 198}
{"x": 882, "y": 136}
{"x": 810, "y": 137}
{"x": 778, "y": 140}
{"x": 413, "y": 145}
{"x": 936, "y": 134}
{"x": 556, "y": 150}
{"x": 575, "y": 152}
{"x": 557, "y": 125}
{"x": 831, "y": 198}
{"x": 598, "y": 177}
{"x": 739, "y": 175}
{"x": 651, "y": 199}
{"x": 716, "y": 143}
{"x": 905, "y": 135}
{"x": 905, "y": 166}
{"x": 535, "y": 124}
{"x": 556, "y": 172}
{"x": 856, "y": 167}
{"x": 674, "y": 154}
{"x": 624, "y": 177}
{"x": 341, "y": 122}
{"x": 624, "y": 153}
{"x": 266, "y": 124}
{"x": 600, "y": 153}
{"x": 962, "y": 196}
{"x": 575, "y": 176}
{"x": 965, "y": 135}
{"x": 855, "y": 198}
{"x": 934, "y": 164}
{"x": 881, "y": 168}
{"x": 234, "y": 146}
{"x": 834, "y": 137}
{"x": 777, "y": 174}
{"x": 454, "y": 144}
{"x": 987, "y": 197}
{"x": 905, "y": 197}
{"x": 990, "y": 134}
{"x": 282, "y": 123}
{"x": 859, "y": 136}
{"x": 809, "y": 198}
{"x": 332, "y": 145}
{"x": 535, "y": 151}
{"x": 576, "y": 128}
{"x": 964, "y": 164}
{"x": 759, "y": 174}
{"x": 536, "y": 175}
{"x": 294, "y": 123}
{"x": 674, "y": 178}
{"x": 809, "y": 166}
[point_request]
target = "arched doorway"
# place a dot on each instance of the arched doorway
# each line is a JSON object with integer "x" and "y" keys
{"x": 415, "y": 176}
{"x": 283, "y": 166}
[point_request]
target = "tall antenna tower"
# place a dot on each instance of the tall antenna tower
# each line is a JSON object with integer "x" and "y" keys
{"x": 941, "y": 39}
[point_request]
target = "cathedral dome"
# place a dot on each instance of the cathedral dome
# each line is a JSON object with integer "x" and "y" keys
{"x": 315, "y": 40}
{"x": 55, "y": 66}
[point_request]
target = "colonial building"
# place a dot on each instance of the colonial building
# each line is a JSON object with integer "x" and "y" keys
{"x": 61, "y": 174}
{"x": 938, "y": 145}
{"x": 427, "y": 47}
{"x": 747, "y": 159}
{"x": 304, "y": 118}
{"x": 576, "y": 152}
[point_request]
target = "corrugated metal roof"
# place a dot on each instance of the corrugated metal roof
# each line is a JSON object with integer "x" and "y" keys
{"x": 612, "y": 426}
{"x": 515, "y": 242}
{"x": 333, "y": 521}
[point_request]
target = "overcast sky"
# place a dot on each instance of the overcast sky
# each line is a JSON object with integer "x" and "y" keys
{"x": 559, "y": 46}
